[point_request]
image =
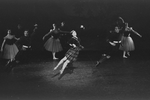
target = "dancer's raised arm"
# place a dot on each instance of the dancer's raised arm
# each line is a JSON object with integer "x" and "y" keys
{"x": 47, "y": 34}
{"x": 135, "y": 32}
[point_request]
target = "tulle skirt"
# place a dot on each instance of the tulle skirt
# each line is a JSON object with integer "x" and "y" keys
{"x": 53, "y": 45}
{"x": 127, "y": 44}
{"x": 9, "y": 51}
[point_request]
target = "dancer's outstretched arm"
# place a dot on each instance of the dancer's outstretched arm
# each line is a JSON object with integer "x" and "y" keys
{"x": 2, "y": 46}
{"x": 47, "y": 34}
{"x": 135, "y": 32}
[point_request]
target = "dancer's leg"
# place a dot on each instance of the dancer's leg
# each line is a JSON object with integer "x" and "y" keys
{"x": 60, "y": 62}
{"x": 128, "y": 53}
{"x": 124, "y": 54}
{"x": 103, "y": 58}
{"x": 64, "y": 66}
{"x": 54, "y": 57}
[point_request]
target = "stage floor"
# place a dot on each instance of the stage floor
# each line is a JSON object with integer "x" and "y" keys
{"x": 114, "y": 79}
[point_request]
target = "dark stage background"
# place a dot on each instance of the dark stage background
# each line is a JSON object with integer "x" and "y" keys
{"x": 96, "y": 15}
{"x": 115, "y": 79}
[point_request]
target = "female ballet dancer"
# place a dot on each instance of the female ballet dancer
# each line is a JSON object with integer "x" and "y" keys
{"x": 72, "y": 54}
{"x": 127, "y": 43}
{"x": 53, "y": 43}
{"x": 9, "y": 48}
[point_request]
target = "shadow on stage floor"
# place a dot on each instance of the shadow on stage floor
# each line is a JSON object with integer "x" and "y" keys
{"x": 114, "y": 79}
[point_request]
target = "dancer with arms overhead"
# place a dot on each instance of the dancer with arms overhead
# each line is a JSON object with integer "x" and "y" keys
{"x": 127, "y": 43}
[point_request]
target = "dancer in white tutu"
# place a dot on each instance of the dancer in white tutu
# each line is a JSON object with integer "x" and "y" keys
{"x": 127, "y": 43}
{"x": 72, "y": 54}
{"x": 9, "y": 48}
{"x": 53, "y": 43}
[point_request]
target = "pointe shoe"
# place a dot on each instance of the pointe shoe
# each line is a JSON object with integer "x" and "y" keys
{"x": 108, "y": 57}
{"x": 55, "y": 68}
{"x": 8, "y": 62}
{"x": 61, "y": 71}
{"x": 97, "y": 63}
{"x": 55, "y": 58}
{"x": 128, "y": 54}
{"x": 125, "y": 57}
{"x": 104, "y": 55}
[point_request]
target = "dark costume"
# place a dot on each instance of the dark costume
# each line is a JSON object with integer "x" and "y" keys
{"x": 33, "y": 38}
{"x": 53, "y": 43}
{"x": 110, "y": 50}
{"x": 23, "y": 51}
{"x": 73, "y": 52}
{"x": 113, "y": 36}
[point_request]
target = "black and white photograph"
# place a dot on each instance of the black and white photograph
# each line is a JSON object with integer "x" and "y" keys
{"x": 74, "y": 50}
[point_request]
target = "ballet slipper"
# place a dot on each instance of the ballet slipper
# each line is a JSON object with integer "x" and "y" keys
{"x": 125, "y": 57}
{"x": 128, "y": 54}
{"x": 61, "y": 71}
{"x": 108, "y": 57}
{"x": 55, "y": 68}
{"x": 55, "y": 58}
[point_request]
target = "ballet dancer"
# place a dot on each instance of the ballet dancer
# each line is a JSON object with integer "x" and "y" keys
{"x": 53, "y": 43}
{"x": 114, "y": 41}
{"x": 127, "y": 43}
{"x": 8, "y": 47}
{"x": 72, "y": 54}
